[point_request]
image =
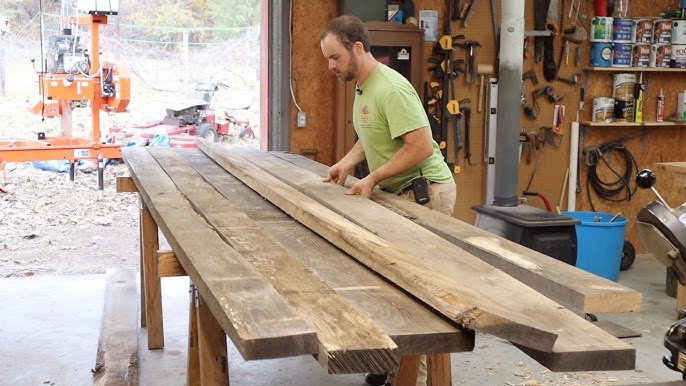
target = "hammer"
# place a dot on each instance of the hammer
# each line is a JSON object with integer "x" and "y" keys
{"x": 482, "y": 70}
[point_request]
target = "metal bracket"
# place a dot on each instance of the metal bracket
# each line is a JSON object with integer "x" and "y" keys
{"x": 195, "y": 296}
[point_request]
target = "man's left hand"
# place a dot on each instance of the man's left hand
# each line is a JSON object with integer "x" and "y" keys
{"x": 363, "y": 187}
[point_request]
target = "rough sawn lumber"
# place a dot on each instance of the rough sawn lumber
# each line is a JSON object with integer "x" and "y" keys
{"x": 569, "y": 286}
{"x": 413, "y": 327}
{"x": 235, "y": 292}
{"x": 116, "y": 363}
{"x": 455, "y": 283}
{"x": 349, "y": 342}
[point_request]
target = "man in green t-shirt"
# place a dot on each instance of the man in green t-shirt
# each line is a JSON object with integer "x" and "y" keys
{"x": 392, "y": 129}
{"x": 390, "y": 122}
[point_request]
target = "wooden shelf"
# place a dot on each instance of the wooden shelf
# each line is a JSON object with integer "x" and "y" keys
{"x": 631, "y": 124}
{"x": 635, "y": 69}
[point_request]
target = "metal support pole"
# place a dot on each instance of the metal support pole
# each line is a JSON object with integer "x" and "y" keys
{"x": 509, "y": 96}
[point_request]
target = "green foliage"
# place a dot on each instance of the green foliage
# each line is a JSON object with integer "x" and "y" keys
{"x": 155, "y": 20}
{"x": 235, "y": 15}
{"x": 21, "y": 12}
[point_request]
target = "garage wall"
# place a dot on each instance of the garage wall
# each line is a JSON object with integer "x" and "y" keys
{"x": 313, "y": 87}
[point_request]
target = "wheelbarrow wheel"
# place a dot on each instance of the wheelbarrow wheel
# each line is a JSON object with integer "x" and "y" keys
{"x": 207, "y": 131}
{"x": 628, "y": 256}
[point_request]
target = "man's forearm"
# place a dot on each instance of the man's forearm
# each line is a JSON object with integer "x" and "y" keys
{"x": 354, "y": 156}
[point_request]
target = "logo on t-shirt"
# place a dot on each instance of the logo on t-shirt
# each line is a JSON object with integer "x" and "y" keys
{"x": 365, "y": 115}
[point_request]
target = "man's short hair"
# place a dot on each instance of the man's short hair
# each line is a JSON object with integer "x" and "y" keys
{"x": 348, "y": 29}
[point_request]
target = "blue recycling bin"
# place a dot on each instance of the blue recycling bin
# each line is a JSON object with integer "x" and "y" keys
{"x": 599, "y": 242}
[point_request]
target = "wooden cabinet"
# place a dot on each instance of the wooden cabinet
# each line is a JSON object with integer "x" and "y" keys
{"x": 397, "y": 45}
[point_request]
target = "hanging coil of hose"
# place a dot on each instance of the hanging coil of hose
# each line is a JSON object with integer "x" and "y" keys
{"x": 616, "y": 188}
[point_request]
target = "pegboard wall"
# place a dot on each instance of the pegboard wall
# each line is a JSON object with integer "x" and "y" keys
{"x": 314, "y": 86}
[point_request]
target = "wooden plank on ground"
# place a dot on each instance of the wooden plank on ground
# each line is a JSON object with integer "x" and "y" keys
{"x": 569, "y": 286}
{"x": 116, "y": 363}
{"x": 414, "y": 328}
{"x": 349, "y": 341}
{"x": 256, "y": 318}
{"x": 453, "y": 282}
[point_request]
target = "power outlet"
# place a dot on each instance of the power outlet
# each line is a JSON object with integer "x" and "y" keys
{"x": 302, "y": 119}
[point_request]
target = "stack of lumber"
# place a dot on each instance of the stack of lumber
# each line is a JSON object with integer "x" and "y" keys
{"x": 456, "y": 270}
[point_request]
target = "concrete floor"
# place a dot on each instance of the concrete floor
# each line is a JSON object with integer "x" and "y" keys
{"x": 49, "y": 327}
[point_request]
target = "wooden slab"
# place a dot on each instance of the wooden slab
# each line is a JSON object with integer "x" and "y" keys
{"x": 349, "y": 341}
{"x": 257, "y": 319}
{"x": 461, "y": 287}
{"x": 569, "y": 286}
{"x": 414, "y": 328}
{"x": 116, "y": 363}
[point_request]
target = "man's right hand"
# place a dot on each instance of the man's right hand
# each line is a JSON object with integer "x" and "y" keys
{"x": 338, "y": 173}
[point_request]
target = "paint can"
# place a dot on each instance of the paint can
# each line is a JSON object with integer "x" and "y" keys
{"x": 677, "y": 59}
{"x": 622, "y": 30}
{"x": 662, "y": 31}
{"x": 643, "y": 31}
{"x": 601, "y": 54}
{"x": 603, "y": 109}
{"x": 681, "y": 105}
{"x": 624, "y": 110}
{"x": 679, "y": 32}
{"x": 660, "y": 55}
{"x": 623, "y": 86}
{"x": 641, "y": 55}
{"x": 621, "y": 54}
{"x": 601, "y": 29}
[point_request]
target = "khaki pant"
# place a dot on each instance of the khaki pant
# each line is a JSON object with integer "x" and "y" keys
{"x": 442, "y": 198}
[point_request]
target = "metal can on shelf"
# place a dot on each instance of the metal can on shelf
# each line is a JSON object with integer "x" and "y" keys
{"x": 677, "y": 59}
{"x": 622, "y": 30}
{"x": 601, "y": 54}
{"x": 662, "y": 31}
{"x": 641, "y": 55}
{"x": 623, "y": 86}
{"x": 660, "y": 54}
{"x": 643, "y": 31}
{"x": 624, "y": 110}
{"x": 601, "y": 29}
{"x": 678, "y": 32}
{"x": 621, "y": 54}
{"x": 603, "y": 109}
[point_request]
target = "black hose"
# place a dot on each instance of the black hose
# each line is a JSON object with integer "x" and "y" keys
{"x": 609, "y": 190}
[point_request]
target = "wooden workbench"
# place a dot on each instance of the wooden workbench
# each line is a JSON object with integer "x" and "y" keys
{"x": 287, "y": 293}
{"x": 278, "y": 289}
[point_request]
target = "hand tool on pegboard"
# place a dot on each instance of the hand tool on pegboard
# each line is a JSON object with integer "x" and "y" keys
{"x": 482, "y": 70}
{"x": 470, "y": 76}
{"x": 496, "y": 31}
{"x": 434, "y": 125}
{"x": 531, "y": 75}
{"x": 527, "y": 140}
{"x": 453, "y": 106}
{"x": 445, "y": 45}
{"x": 470, "y": 11}
{"x": 540, "y": 19}
{"x": 467, "y": 113}
{"x": 458, "y": 143}
{"x": 552, "y": 25}
{"x": 545, "y": 135}
{"x": 455, "y": 14}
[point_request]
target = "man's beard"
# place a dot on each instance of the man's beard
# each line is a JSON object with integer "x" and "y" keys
{"x": 351, "y": 71}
